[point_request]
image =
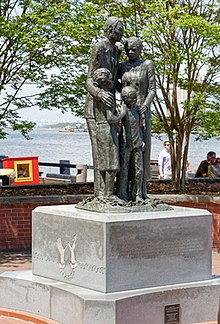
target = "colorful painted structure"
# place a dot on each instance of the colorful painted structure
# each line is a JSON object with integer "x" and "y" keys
{"x": 25, "y": 167}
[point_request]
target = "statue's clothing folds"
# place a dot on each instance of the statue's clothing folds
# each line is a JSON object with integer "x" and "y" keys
{"x": 140, "y": 75}
{"x": 103, "y": 55}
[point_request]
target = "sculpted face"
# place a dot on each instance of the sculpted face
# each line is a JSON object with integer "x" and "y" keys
{"x": 133, "y": 51}
{"x": 129, "y": 96}
{"x": 103, "y": 77}
{"x": 117, "y": 32}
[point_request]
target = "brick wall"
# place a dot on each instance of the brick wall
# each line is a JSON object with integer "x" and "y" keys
{"x": 15, "y": 219}
{"x": 15, "y": 215}
{"x": 15, "y": 226}
{"x": 215, "y": 210}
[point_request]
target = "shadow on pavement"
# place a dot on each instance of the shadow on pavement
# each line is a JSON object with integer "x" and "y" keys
{"x": 15, "y": 259}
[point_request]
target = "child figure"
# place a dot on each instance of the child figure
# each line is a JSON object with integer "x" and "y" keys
{"x": 107, "y": 139}
{"x": 130, "y": 147}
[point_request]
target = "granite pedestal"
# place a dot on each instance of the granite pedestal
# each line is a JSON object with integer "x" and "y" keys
{"x": 68, "y": 304}
{"x": 141, "y": 268}
{"x": 115, "y": 252}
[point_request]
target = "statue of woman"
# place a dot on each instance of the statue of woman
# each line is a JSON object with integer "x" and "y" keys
{"x": 140, "y": 74}
{"x": 104, "y": 54}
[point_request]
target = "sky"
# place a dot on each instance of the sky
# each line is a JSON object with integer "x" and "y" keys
{"x": 45, "y": 116}
{"x": 48, "y": 116}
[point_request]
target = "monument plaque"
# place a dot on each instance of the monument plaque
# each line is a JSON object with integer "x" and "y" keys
{"x": 172, "y": 314}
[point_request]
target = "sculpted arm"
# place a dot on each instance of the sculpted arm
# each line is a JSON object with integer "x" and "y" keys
{"x": 95, "y": 62}
{"x": 150, "y": 70}
{"x": 112, "y": 119}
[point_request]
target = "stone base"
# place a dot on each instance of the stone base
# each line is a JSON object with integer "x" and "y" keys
{"x": 192, "y": 303}
{"x": 115, "y": 252}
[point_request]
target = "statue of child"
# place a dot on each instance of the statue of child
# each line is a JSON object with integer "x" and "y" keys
{"x": 107, "y": 140}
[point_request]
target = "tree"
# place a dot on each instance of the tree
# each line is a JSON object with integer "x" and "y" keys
{"x": 183, "y": 39}
{"x": 48, "y": 43}
{"x": 43, "y": 43}
{"x": 26, "y": 29}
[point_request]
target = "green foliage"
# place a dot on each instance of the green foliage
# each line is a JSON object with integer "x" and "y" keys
{"x": 45, "y": 43}
{"x": 183, "y": 40}
{"x": 48, "y": 43}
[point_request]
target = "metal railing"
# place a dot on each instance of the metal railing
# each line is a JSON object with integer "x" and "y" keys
{"x": 65, "y": 166}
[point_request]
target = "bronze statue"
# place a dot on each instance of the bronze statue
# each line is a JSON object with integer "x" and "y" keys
{"x": 131, "y": 145}
{"x": 138, "y": 82}
{"x": 106, "y": 134}
{"x": 104, "y": 54}
{"x": 140, "y": 74}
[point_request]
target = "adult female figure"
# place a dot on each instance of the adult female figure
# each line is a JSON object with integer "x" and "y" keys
{"x": 140, "y": 74}
{"x": 104, "y": 54}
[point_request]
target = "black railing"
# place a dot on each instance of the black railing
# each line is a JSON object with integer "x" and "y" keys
{"x": 64, "y": 173}
{"x": 64, "y": 165}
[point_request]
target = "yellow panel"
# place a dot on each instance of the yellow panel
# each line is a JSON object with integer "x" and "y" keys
{"x": 6, "y": 172}
{"x": 23, "y": 171}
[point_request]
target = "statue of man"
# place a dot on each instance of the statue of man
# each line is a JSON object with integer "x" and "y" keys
{"x": 140, "y": 74}
{"x": 104, "y": 54}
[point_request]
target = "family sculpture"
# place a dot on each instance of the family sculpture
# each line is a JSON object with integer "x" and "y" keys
{"x": 120, "y": 136}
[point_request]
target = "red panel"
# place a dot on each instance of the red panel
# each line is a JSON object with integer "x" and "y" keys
{"x": 26, "y": 169}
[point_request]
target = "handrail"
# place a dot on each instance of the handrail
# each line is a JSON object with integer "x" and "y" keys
{"x": 66, "y": 165}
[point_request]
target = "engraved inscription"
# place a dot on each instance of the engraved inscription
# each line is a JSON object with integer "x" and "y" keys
{"x": 136, "y": 242}
{"x": 91, "y": 267}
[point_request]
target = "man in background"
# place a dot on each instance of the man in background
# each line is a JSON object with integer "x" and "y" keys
{"x": 202, "y": 170}
{"x": 164, "y": 162}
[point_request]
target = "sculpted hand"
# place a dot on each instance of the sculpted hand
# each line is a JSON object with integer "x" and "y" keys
{"x": 122, "y": 111}
{"x": 118, "y": 127}
{"x": 107, "y": 98}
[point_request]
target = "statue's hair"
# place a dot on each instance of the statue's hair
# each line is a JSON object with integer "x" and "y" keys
{"x": 127, "y": 91}
{"x": 98, "y": 72}
{"x": 135, "y": 40}
{"x": 111, "y": 23}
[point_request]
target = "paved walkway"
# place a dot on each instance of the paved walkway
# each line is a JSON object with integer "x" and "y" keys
{"x": 22, "y": 261}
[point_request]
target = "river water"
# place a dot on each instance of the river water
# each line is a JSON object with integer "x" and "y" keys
{"x": 51, "y": 145}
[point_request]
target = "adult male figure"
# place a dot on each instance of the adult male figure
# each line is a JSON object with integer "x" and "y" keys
{"x": 164, "y": 162}
{"x": 140, "y": 74}
{"x": 104, "y": 54}
{"x": 202, "y": 170}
